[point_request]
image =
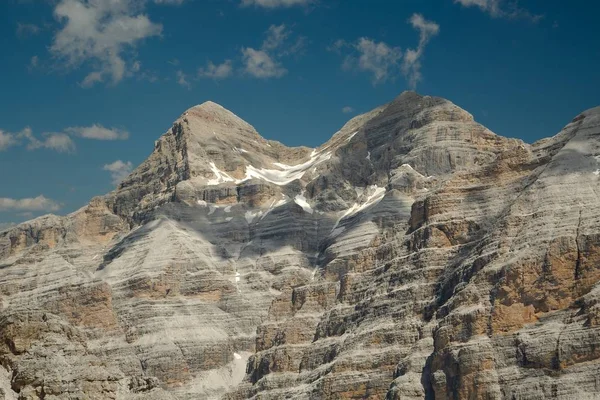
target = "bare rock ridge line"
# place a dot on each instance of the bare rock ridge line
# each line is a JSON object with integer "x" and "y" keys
{"x": 414, "y": 255}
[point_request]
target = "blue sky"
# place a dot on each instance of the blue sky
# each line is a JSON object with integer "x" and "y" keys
{"x": 88, "y": 85}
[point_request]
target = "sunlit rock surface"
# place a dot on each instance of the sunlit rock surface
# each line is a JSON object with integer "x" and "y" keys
{"x": 415, "y": 255}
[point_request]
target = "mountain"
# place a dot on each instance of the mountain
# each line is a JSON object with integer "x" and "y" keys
{"x": 415, "y": 255}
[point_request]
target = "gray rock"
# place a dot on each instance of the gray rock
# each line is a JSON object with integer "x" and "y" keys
{"x": 414, "y": 255}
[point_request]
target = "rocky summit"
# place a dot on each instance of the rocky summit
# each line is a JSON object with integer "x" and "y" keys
{"x": 415, "y": 255}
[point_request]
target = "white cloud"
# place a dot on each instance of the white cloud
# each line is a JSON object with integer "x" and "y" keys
{"x": 7, "y": 140}
{"x": 119, "y": 170}
{"x": 182, "y": 80}
{"x": 213, "y": 71}
{"x": 39, "y": 203}
{"x": 264, "y": 63}
{"x": 34, "y": 62}
{"x": 98, "y": 132}
{"x": 99, "y": 32}
{"x": 501, "y": 9}
{"x": 277, "y": 3}
{"x": 25, "y": 30}
{"x": 377, "y": 58}
{"x": 382, "y": 60}
{"x": 260, "y": 64}
{"x": 411, "y": 66}
{"x": 59, "y": 142}
{"x": 276, "y": 36}
{"x": 347, "y": 110}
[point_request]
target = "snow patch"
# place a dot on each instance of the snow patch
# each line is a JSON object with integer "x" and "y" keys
{"x": 301, "y": 201}
{"x": 220, "y": 176}
{"x": 212, "y": 209}
{"x": 202, "y": 203}
{"x": 227, "y": 209}
{"x": 351, "y": 136}
{"x": 284, "y": 200}
{"x": 287, "y": 173}
{"x": 239, "y": 150}
{"x": 376, "y": 195}
{"x": 228, "y": 219}
{"x": 250, "y": 215}
{"x": 368, "y": 156}
{"x": 282, "y": 176}
{"x": 597, "y": 172}
{"x": 237, "y": 356}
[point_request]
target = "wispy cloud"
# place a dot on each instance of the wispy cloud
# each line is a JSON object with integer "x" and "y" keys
{"x": 277, "y": 3}
{"x": 39, "y": 203}
{"x": 213, "y": 71}
{"x": 347, "y": 110}
{"x": 384, "y": 61}
{"x": 25, "y": 30}
{"x": 60, "y": 142}
{"x": 182, "y": 79}
{"x": 260, "y": 64}
{"x": 501, "y": 9}
{"x": 411, "y": 66}
{"x": 34, "y": 62}
{"x": 265, "y": 62}
{"x": 98, "y": 132}
{"x": 7, "y": 140}
{"x": 119, "y": 170}
{"x": 379, "y": 59}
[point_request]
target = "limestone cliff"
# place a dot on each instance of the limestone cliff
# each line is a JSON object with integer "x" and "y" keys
{"x": 415, "y": 255}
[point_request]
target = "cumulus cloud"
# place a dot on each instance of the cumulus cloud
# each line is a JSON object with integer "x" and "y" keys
{"x": 99, "y": 32}
{"x": 347, "y": 110}
{"x": 501, "y": 9}
{"x": 119, "y": 170}
{"x": 220, "y": 71}
{"x": 277, "y": 3}
{"x": 411, "y": 66}
{"x": 39, "y": 203}
{"x": 265, "y": 62}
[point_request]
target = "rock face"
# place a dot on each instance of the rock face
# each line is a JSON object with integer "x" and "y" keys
{"x": 415, "y": 255}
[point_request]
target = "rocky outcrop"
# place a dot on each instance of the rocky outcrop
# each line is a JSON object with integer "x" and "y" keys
{"x": 414, "y": 255}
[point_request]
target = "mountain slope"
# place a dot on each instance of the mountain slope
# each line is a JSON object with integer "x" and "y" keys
{"x": 415, "y": 254}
